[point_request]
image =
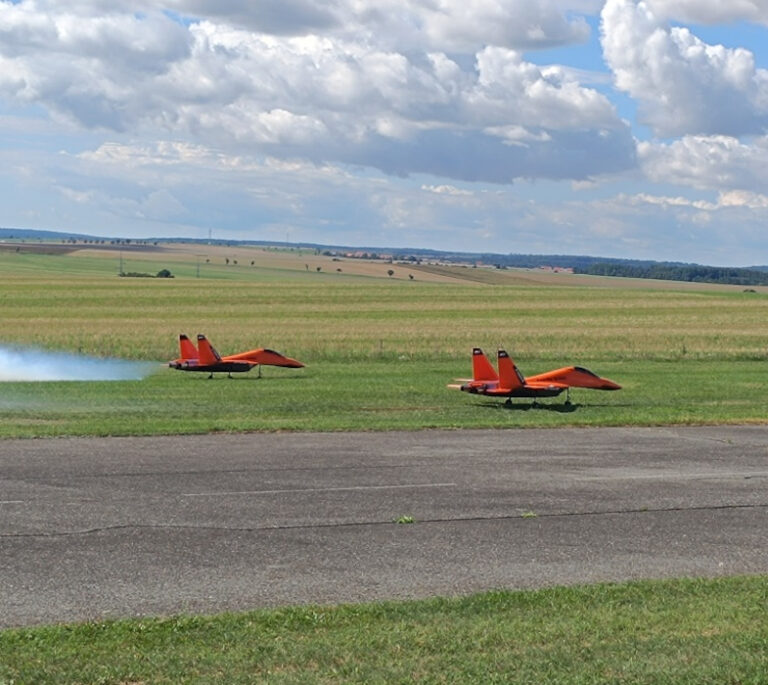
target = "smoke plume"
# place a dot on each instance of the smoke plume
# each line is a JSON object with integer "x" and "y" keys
{"x": 30, "y": 364}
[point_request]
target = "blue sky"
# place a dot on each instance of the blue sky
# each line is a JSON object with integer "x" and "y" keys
{"x": 615, "y": 128}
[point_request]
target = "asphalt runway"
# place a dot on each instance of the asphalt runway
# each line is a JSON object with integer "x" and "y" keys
{"x": 115, "y": 527}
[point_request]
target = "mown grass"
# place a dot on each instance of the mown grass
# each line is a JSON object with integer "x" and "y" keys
{"x": 689, "y": 631}
{"x": 393, "y": 394}
{"x": 379, "y": 351}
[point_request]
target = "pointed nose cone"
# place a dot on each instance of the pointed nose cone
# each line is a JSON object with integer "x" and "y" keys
{"x": 609, "y": 385}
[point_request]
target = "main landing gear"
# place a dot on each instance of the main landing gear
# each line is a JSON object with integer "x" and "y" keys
{"x": 535, "y": 404}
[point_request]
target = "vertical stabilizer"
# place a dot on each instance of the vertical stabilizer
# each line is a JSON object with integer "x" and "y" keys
{"x": 482, "y": 370}
{"x": 509, "y": 375}
{"x": 207, "y": 354}
{"x": 187, "y": 350}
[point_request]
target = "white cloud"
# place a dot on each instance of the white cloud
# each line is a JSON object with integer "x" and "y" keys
{"x": 401, "y": 25}
{"x": 728, "y": 199}
{"x": 324, "y": 97}
{"x": 447, "y": 190}
{"x": 668, "y": 202}
{"x": 720, "y": 163}
{"x": 406, "y": 25}
{"x": 743, "y": 198}
{"x": 680, "y": 82}
{"x": 465, "y": 25}
{"x": 711, "y": 11}
{"x": 96, "y": 71}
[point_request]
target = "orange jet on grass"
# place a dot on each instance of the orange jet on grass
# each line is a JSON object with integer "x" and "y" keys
{"x": 509, "y": 382}
{"x": 205, "y": 358}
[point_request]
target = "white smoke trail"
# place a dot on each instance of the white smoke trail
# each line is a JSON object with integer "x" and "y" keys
{"x": 30, "y": 364}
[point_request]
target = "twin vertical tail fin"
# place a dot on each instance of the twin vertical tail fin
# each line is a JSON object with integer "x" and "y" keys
{"x": 208, "y": 355}
{"x": 482, "y": 369}
{"x": 509, "y": 375}
{"x": 187, "y": 350}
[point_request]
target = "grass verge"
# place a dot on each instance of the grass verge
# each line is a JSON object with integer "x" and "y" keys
{"x": 686, "y": 631}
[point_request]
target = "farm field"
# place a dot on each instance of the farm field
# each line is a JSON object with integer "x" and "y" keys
{"x": 379, "y": 350}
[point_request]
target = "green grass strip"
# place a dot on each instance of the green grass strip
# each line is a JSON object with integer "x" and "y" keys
{"x": 377, "y": 395}
{"x": 682, "y": 631}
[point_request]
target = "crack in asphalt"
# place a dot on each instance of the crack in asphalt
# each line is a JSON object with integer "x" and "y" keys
{"x": 524, "y": 517}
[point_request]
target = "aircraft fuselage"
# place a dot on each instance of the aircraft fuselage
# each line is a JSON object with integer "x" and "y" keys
{"x": 226, "y": 367}
{"x": 495, "y": 391}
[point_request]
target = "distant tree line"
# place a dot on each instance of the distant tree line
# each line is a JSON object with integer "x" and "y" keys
{"x": 163, "y": 273}
{"x": 636, "y": 268}
{"x": 680, "y": 272}
{"x": 535, "y": 261}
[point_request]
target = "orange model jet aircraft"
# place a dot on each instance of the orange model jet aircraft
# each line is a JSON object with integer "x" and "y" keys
{"x": 509, "y": 382}
{"x": 205, "y": 358}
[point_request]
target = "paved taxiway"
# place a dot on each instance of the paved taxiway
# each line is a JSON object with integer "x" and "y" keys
{"x": 93, "y": 528}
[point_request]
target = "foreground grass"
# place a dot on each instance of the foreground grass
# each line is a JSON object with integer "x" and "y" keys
{"x": 688, "y": 631}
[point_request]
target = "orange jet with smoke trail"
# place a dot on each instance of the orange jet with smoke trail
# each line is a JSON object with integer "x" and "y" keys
{"x": 205, "y": 358}
{"x": 509, "y": 382}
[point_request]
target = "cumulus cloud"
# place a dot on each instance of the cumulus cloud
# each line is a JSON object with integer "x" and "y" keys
{"x": 447, "y": 190}
{"x": 452, "y": 25}
{"x": 402, "y": 25}
{"x": 720, "y": 163}
{"x": 93, "y": 70}
{"x": 309, "y": 91}
{"x": 711, "y": 11}
{"x": 405, "y": 25}
{"x": 743, "y": 198}
{"x": 725, "y": 200}
{"x": 679, "y": 81}
{"x": 277, "y": 17}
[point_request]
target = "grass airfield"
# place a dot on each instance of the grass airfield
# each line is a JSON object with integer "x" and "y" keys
{"x": 379, "y": 351}
{"x": 388, "y": 395}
